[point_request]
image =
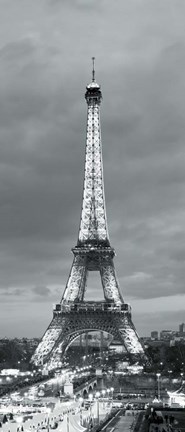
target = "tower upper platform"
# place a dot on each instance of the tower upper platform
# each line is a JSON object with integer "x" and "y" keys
{"x": 93, "y": 92}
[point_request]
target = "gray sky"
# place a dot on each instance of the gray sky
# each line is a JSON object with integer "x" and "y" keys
{"x": 45, "y": 63}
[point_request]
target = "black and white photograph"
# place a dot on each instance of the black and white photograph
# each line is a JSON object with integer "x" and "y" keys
{"x": 92, "y": 215}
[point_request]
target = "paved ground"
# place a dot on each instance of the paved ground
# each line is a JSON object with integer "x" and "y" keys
{"x": 44, "y": 420}
{"x": 120, "y": 422}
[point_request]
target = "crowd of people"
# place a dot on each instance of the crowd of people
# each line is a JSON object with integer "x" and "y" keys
{"x": 159, "y": 423}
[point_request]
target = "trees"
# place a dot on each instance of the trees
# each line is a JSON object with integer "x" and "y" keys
{"x": 5, "y": 418}
{"x": 12, "y": 353}
{"x": 166, "y": 359}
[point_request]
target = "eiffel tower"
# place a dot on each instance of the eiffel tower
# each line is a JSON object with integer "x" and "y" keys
{"x": 74, "y": 316}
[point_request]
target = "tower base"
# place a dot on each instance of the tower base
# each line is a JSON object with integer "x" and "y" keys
{"x": 71, "y": 320}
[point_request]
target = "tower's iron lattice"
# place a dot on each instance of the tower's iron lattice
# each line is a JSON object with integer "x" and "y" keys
{"x": 74, "y": 316}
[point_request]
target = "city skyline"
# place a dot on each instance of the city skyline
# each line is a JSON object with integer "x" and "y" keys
{"x": 95, "y": 332}
{"x": 45, "y": 65}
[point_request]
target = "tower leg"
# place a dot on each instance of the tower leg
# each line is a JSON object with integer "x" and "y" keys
{"x": 109, "y": 282}
{"x": 129, "y": 336}
{"x": 76, "y": 283}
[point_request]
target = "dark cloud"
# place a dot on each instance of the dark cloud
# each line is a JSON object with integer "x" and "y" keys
{"x": 178, "y": 255}
{"x": 41, "y": 291}
{"x": 15, "y": 292}
{"x": 14, "y": 52}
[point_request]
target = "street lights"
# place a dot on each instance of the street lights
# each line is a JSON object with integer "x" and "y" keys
{"x": 108, "y": 391}
{"x": 49, "y": 412}
{"x": 67, "y": 420}
{"x": 158, "y": 386}
{"x": 19, "y": 420}
{"x": 81, "y": 402}
{"x": 112, "y": 390}
{"x": 90, "y": 414}
{"x": 97, "y": 395}
{"x": 103, "y": 393}
{"x": 90, "y": 398}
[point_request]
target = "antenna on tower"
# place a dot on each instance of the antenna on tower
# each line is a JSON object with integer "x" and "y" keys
{"x": 93, "y": 71}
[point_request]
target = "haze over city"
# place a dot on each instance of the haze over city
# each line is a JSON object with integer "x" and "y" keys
{"x": 45, "y": 65}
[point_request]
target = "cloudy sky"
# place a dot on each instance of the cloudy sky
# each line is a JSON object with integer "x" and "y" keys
{"x": 45, "y": 63}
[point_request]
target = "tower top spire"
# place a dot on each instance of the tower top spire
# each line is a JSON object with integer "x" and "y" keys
{"x": 93, "y": 70}
{"x": 93, "y": 86}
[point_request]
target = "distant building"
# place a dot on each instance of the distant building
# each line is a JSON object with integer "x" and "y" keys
{"x": 92, "y": 339}
{"x": 166, "y": 335}
{"x": 182, "y": 328}
{"x": 117, "y": 347}
{"x": 154, "y": 335}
